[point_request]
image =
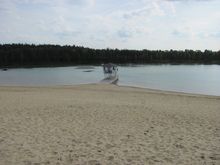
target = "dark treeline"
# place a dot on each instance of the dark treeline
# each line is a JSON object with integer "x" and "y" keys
{"x": 19, "y": 55}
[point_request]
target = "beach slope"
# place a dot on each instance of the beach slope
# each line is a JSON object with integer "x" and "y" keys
{"x": 107, "y": 124}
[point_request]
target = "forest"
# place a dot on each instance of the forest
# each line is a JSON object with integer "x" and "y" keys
{"x": 28, "y": 55}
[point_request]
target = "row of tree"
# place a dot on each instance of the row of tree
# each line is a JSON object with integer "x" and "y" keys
{"x": 12, "y": 55}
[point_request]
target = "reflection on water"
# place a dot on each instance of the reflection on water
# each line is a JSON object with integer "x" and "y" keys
{"x": 51, "y": 76}
{"x": 203, "y": 79}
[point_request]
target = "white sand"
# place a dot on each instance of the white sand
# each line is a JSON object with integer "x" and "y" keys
{"x": 107, "y": 124}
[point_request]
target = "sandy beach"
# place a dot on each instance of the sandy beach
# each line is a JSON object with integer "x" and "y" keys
{"x": 107, "y": 124}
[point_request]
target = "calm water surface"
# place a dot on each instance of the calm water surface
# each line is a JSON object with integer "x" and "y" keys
{"x": 201, "y": 79}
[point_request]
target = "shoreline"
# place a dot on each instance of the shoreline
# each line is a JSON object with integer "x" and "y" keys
{"x": 171, "y": 92}
{"x": 159, "y": 91}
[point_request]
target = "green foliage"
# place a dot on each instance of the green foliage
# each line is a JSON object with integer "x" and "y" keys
{"x": 18, "y": 55}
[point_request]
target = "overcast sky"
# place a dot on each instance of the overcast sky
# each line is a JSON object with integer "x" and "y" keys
{"x": 130, "y": 24}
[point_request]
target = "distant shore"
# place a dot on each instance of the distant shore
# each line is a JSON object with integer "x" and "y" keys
{"x": 107, "y": 124}
{"x": 25, "y": 55}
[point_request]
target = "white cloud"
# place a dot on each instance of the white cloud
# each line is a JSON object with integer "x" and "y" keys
{"x": 135, "y": 24}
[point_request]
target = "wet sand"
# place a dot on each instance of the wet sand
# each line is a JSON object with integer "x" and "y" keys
{"x": 107, "y": 124}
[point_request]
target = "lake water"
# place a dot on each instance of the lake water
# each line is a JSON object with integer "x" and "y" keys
{"x": 200, "y": 79}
